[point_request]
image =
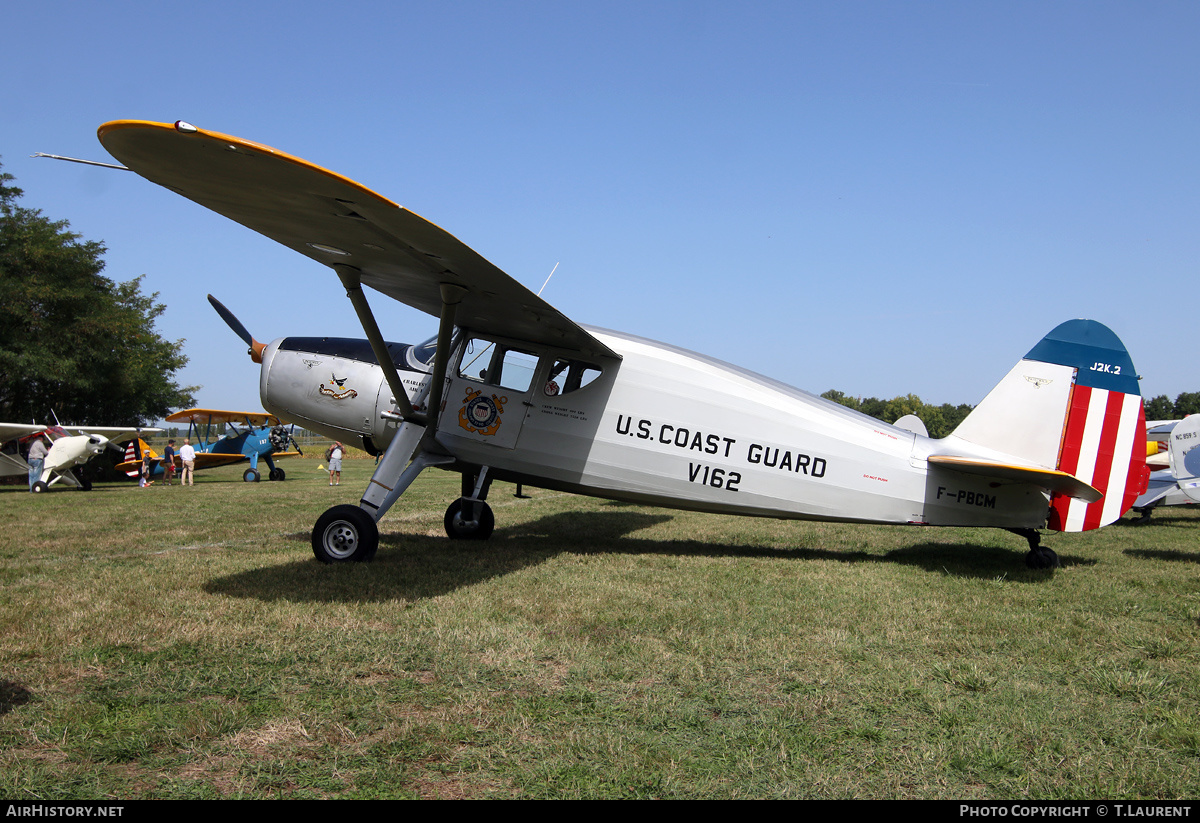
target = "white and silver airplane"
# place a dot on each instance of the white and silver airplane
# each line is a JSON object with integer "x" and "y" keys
{"x": 1175, "y": 467}
{"x": 70, "y": 446}
{"x": 511, "y": 389}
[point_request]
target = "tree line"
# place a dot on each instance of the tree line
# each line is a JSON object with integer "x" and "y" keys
{"x": 941, "y": 420}
{"x": 74, "y": 343}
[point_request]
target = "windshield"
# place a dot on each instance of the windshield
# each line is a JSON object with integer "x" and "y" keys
{"x": 423, "y": 353}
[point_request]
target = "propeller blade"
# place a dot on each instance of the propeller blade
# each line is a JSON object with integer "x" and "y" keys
{"x": 256, "y": 348}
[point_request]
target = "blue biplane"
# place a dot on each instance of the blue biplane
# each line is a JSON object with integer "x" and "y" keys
{"x": 221, "y": 438}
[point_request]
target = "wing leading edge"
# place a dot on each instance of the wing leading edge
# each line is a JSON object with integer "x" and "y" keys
{"x": 338, "y": 222}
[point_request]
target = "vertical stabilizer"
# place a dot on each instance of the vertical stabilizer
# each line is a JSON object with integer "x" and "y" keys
{"x": 1072, "y": 404}
{"x": 1104, "y": 436}
{"x": 134, "y": 450}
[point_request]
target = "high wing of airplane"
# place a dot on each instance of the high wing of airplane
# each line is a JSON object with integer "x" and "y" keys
{"x": 70, "y": 448}
{"x": 510, "y": 389}
{"x": 222, "y": 438}
{"x": 1175, "y": 464}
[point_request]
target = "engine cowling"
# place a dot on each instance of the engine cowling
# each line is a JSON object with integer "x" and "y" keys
{"x": 336, "y": 387}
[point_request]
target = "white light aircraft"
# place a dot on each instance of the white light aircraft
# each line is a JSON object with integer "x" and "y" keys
{"x": 1175, "y": 477}
{"x": 66, "y": 452}
{"x": 510, "y": 389}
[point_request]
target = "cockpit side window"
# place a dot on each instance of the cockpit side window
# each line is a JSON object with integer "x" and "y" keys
{"x": 516, "y": 369}
{"x": 498, "y": 365}
{"x": 569, "y": 375}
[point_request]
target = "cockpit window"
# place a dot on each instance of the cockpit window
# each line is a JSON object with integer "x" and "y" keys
{"x": 516, "y": 369}
{"x": 498, "y": 365}
{"x": 423, "y": 353}
{"x": 476, "y": 357}
{"x": 569, "y": 375}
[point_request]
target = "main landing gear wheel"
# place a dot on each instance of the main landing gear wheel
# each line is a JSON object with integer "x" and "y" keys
{"x": 276, "y": 474}
{"x": 459, "y": 528}
{"x": 1039, "y": 556}
{"x": 40, "y": 487}
{"x": 251, "y": 476}
{"x": 345, "y": 534}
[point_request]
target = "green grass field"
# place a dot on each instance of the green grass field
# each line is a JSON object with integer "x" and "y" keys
{"x": 183, "y": 643}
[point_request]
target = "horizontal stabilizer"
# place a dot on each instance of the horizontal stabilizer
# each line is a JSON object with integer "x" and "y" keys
{"x": 1051, "y": 480}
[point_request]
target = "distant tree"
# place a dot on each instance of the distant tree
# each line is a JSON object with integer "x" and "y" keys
{"x": 1160, "y": 408}
{"x": 952, "y": 416}
{"x": 873, "y": 407}
{"x": 71, "y": 340}
{"x": 939, "y": 420}
{"x": 838, "y": 397}
{"x": 1187, "y": 403}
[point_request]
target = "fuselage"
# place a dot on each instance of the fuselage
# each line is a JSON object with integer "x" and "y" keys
{"x": 73, "y": 450}
{"x": 661, "y": 425}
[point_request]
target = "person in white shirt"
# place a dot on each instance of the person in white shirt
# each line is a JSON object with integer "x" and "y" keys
{"x": 335, "y": 464}
{"x": 37, "y": 460}
{"x": 188, "y": 455}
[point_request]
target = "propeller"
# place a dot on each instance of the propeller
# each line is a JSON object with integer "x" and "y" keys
{"x": 256, "y": 348}
{"x": 280, "y": 437}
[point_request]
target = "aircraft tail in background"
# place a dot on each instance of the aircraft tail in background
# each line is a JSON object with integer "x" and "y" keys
{"x": 1072, "y": 404}
{"x": 134, "y": 450}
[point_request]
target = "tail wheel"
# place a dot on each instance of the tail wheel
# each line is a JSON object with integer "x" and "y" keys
{"x": 345, "y": 534}
{"x": 1042, "y": 558}
{"x": 460, "y": 528}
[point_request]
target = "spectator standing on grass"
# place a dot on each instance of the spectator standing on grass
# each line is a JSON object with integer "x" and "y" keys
{"x": 169, "y": 461}
{"x": 37, "y": 460}
{"x": 188, "y": 455}
{"x": 335, "y": 464}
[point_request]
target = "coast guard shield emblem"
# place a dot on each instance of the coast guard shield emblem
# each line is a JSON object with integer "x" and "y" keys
{"x": 481, "y": 414}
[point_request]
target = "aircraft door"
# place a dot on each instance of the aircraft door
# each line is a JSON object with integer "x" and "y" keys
{"x": 488, "y": 394}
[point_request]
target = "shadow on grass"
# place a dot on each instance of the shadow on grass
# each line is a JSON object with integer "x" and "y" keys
{"x": 12, "y": 695}
{"x": 1164, "y": 554}
{"x": 1159, "y": 518}
{"x": 415, "y": 567}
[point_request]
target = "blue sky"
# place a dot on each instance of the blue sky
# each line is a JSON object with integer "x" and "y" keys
{"x": 878, "y": 197}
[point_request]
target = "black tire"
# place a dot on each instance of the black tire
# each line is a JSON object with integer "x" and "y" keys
{"x": 85, "y": 483}
{"x": 345, "y": 534}
{"x": 39, "y": 487}
{"x": 276, "y": 474}
{"x": 459, "y": 529}
{"x": 251, "y": 476}
{"x": 1042, "y": 558}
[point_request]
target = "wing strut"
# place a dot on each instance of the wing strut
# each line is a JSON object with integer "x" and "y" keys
{"x": 452, "y": 295}
{"x": 350, "y": 278}
{"x": 389, "y": 481}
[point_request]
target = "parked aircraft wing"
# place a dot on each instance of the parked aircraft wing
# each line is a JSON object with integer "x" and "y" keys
{"x": 9, "y": 431}
{"x": 338, "y": 222}
{"x": 112, "y": 433}
{"x": 223, "y": 416}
